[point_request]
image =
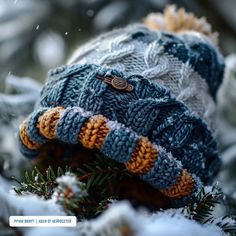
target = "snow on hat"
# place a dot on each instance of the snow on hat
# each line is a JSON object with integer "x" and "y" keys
{"x": 144, "y": 98}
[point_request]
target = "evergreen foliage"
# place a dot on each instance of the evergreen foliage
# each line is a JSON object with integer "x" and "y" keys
{"x": 78, "y": 194}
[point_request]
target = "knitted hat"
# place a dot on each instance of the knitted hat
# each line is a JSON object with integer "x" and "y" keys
{"x": 144, "y": 98}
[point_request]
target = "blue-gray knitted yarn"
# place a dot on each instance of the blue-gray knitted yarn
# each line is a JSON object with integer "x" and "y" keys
{"x": 150, "y": 110}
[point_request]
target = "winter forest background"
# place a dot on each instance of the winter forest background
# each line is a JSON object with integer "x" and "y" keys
{"x": 39, "y": 35}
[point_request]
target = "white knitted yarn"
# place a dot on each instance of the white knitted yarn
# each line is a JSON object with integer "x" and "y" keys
{"x": 117, "y": 49}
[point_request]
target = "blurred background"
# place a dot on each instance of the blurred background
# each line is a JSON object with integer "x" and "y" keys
{"x": 38, "y": 35}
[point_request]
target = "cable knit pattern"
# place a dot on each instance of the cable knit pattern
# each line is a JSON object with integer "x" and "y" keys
{"x": 187, "y": 63}
{"x": 147, "y": 129}
{"x": 143, "y": 98}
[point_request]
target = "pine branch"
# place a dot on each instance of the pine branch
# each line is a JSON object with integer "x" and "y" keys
{"x": 70, "y": 193}
{"x": 38, "y": 183}
{"x": 100, "y": 178}
{"x": 104, "y": 204}
{"x": 202, "y": 207}
{"x": 102, "y": 174}
{"x": 227, "y": 224}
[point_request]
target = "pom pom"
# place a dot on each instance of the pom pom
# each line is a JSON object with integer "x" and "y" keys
{"x": 178, "y": 20}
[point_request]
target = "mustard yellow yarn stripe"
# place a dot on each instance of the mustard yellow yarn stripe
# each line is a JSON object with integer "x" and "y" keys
{"x": 25, "y": 139}
{"x": 47, "y": 122}
{"x": 143, "y": 157}
{"x": 92, "y": 135}
{"x": 182, "y": 187}
{"x": 93, "y": 132}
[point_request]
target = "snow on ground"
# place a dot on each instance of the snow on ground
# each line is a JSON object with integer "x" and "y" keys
{"x": 122, "y": 217}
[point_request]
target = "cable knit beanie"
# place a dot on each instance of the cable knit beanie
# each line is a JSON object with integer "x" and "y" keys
{"x": 143, "y": 96}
